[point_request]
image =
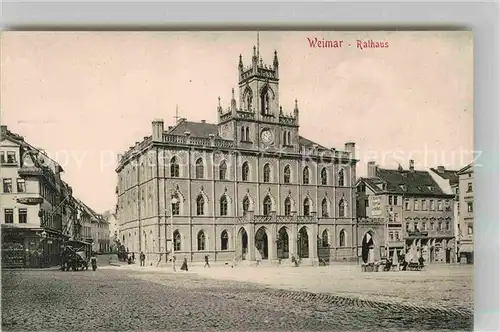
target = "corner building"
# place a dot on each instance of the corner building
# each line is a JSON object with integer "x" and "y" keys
{"x": 247, "y": 188}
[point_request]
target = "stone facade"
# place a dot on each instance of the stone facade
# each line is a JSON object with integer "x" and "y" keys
{"x": 466, "y": 214}
{"x": 248, "y": 187}
{"x": 405, "y": 211}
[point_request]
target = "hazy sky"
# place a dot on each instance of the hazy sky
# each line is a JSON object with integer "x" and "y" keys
{"x": 84, "y": 97}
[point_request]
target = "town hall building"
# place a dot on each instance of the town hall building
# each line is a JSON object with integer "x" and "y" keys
{"x": 246, "y": 188}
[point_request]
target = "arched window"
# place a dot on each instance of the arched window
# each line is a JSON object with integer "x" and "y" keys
{"x": 200, "y": 205}
{"x": 174, "y": 168}
{"x": 288, "y": 139}
{"x": 342, "y": 208}
{"x": 177, "y": 241}
{"x": 245, "y": 169}
{"x": 287, "y": 174}
{"x": 264, "y": 101}
{"x": 325, "y": 237}
{"x": 200, "y": 169}
{"x": 242, "y": 134}
{"x": 307, "y": 207}
{"x": 341, "y": 178}
{"x": 285, "y": 138}
{"x": 267, "y": 205}
{"x": 201, "y": 241}
{"x": 324, "y": 207}
{"x": 222, "y": 170}
{"x": 246, "y": 204}
{"x": 305, "y": 175}
{"x": 324, "y": 177}
{"x": 249, "y": 100}
{"x": 223, "y": 205}
{"x": 176, "y": 206}
{"x": 342, "y": 238}
{"x": 267, "y": 173}
{"x": 288, "y": 206}
{"x": 247, "y": 134}
{"x": 224, "y": 240}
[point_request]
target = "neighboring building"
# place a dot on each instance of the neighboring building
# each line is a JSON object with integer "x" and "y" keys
{"x": 112, "y": 220}
{"x": 448, "y": 182}
{"x": 404, "y": 211}
{"x": 31, "y": 204}
{"x": 466, "y": 217}
{"x": 95, "y": 229}
{"x": 245, "y": 187}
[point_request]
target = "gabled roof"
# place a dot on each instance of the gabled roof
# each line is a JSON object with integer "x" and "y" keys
{"x": 89, "y": 211}
{"x": 447, "y": 174}
{"x": 466, "y": 169}
{"x": 409, "y": 182}
{"x": 204, "y": 129}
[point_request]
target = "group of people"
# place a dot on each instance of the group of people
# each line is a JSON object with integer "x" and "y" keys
{"x": 402, "y": 262}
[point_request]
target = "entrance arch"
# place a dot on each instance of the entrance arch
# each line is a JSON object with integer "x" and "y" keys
{"x": 283, "y": 244}
{"x": 303, "y": 243}
{"x": 368, "y": 248}
{"x": 242, "y": 243}
{"x": 261, "y": 242}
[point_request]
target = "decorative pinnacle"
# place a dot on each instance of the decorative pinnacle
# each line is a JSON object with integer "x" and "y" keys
{"x": 254, "y": 50}
{"x": 219, "y": 100}
{"x": 232, "y": 93}
{"x": 296, "y": 105}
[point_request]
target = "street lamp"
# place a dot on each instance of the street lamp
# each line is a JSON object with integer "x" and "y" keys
{"x": 173, "y": 202}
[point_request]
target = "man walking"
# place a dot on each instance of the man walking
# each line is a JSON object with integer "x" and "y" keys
{"x": 206, "y": 261}
{"x": 173, "y": 263}
{"x": 142, "y": 258}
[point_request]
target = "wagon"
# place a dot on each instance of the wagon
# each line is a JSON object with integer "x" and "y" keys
{"x": 76, "y": 256}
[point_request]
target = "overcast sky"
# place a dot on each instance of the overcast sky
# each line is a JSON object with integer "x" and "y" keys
{"x": 84, "y": 97}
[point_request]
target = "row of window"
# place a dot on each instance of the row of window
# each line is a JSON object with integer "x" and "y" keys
{"x": 266, "y": 204}
{"x": 424, "y": 226}
{"x": 421, "y": 205}
{"x": 8, "y": 157}
{"x": 245, "y": 172}
{"x": 7, "y": 186}
{"x": 22, "y": 216}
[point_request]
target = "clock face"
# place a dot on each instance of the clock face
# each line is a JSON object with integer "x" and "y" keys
{"x": 267, "y": 136}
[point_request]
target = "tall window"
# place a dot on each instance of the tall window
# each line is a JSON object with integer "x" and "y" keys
{"x": 2, "y": 157}
{"x": 307, "y": 207}
{"x": 243, "y": 139}
{"x": 469, "y": 187}
{"x": 342, "y": 238}
{"x": 325, "y": 237}
{"x": 247, "y": 134}
{"x": 288, "y": 206}
{"x": 223, "y": 205}
{"x": 395, "y": 200}
{"x": 200, "y": 169}
{"x": 200, "y": 205}
{"x": 246, "y": 204}
{"x": 305, "y": 175}
{"x": 177, "y": 241}
{"x": 447, "y": 225}
{"x": 324, "y": 177}
{"x": 342, "y": 208}
{"x": 267, "y": 173}
{"x": 285, "y": 137}
{"x": 23, "y": 216}
{"x": 264, "y": 101}
{"x": 416, "y": 206}
{"x": 407, "y": 204}
{"x": 224, "y": 240}
{"x": 21, "y": 186}
{"x": 341, "y": 178}
{"x": 7, "y": 185}
{"x": 245, "y": 169}
{"x": 289, "y": 140}
{"x": 222, "y": 170}
{"x": 324, "y": 207}
{"x": 287, "y": 174}
{"x": 470, "y": 207}
{"x": 201, "y": 241}
{"x": 431, "y": 205}
{"x": 176, "y": 206}
{"x": 267, "y": 205}
{"x": 440, "y": 205}
{"x": 11, "y": 157}
{"x": 9, "y": 216}
{"x": 424, "y": 205}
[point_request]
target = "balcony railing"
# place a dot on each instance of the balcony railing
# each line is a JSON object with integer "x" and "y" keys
{"x": 273, "y": 218}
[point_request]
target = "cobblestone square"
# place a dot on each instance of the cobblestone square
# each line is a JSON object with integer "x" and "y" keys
{"x": 123, "y": 299}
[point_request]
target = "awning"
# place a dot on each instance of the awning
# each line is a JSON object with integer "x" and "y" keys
{"x": 466, "y": 248}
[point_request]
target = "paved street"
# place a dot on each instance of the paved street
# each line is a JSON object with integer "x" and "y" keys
{"x": 120, "y": 299}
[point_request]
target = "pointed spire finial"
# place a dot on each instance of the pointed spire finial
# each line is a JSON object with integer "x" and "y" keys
{"x": 296, "y": 103}
{"x": 232, "y": 92}
{"x": 219, "y": 100}
{"x": 258, "y": 46}
{"x": 254, "y": 51}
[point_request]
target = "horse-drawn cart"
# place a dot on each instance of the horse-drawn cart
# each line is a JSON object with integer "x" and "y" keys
{"x": 76, "y": 255}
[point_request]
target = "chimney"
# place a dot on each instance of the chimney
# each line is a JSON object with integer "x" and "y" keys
{"x": 371, "y": 169}
{"x": 158, "y": 128}
{"x": 412, "y": 165}
{"x": 187, "y": 133}
{"x": 351, "y": 148}
{"x": 441, "y": 169}
{"x": 203, "y": 121}
{"x": 170, "y": 127}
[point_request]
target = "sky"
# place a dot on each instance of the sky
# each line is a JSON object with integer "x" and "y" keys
{"x": 85, "y": 97}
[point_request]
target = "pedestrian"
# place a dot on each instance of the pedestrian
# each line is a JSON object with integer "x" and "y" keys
{"x": 206, "y": 261}
{"x": 184, "y": 266}
{"x": 173, "y": 263}
{"x": 142, "y": 258}
{"x": 133, "y": 257}
{"x": 159, "y": 259}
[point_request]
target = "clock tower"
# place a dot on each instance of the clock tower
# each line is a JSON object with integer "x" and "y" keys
{"x": 259, "y": 122}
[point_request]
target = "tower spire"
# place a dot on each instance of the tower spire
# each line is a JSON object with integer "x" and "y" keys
{"x": 258, "y": 46}
{"x": 176, "y": 117}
